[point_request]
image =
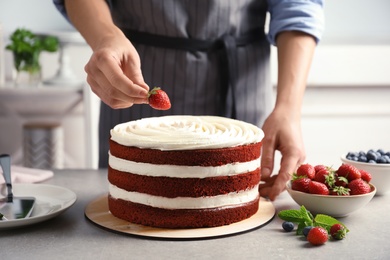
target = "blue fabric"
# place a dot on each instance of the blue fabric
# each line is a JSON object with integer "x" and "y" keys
{"x": 286, "y": 15}
{"x": 60, "y": 5}
{"x": 295, "y": 15}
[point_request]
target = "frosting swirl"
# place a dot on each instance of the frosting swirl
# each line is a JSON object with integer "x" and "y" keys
{"x": 186, "y": 133}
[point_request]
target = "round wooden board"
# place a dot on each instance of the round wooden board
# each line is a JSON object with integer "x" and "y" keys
{"x": 97, "y": 212}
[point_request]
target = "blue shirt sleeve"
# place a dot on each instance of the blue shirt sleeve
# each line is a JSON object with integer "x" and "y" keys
{"x": 296, "y": 15}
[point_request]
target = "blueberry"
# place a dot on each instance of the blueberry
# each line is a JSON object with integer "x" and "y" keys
{"x": 381, "y": 160}
{"x": 387, "y": 158}
{"x": 381, "y": 151}
{"x": 353, "y": 154}
{"x": 306, "y": 230}
{"x": 362, "y": 158}
{"x": 288, "y": 226}
{"x": 371, "y": 155}
{"x": 362, "y": 153}
{"x": 372, "y": 161}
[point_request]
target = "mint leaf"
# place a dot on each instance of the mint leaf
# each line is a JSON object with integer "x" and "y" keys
{"x": 307, "y": 216}
{"x": 292, "y": 215}
{"x": 301, "y": 217}
{"x": 326, "y": 221}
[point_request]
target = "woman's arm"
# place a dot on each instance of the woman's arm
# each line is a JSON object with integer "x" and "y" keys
{"x": 283, "y": 127}
{"x": 114, "y": 70}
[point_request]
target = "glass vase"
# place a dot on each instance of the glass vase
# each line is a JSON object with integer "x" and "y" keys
{"x": 28, "y": 79}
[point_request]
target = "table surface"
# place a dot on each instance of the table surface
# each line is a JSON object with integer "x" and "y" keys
{"x": 72, "y": 236}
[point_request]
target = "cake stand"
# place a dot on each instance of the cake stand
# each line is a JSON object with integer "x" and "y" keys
{"x": 97, "y": 212}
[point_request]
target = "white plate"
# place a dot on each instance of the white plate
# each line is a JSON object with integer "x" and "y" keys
{"x": 50, "y": 201}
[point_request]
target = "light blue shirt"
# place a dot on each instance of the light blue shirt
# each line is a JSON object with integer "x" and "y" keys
{"x": 296, "y": 15}
{"x": 286, "y": 15}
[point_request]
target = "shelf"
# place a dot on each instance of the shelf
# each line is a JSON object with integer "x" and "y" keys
{"x": 43, "y": 101}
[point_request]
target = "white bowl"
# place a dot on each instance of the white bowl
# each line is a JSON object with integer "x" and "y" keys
{"x": 380, "y": 174}
{"x": 332, "y": 205}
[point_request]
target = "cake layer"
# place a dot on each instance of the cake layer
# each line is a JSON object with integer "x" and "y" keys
{"x": 183, "y": 187}
{"x": 180, "y": 171}
{"x": 181, "y": 218}
{"x": 231, "y": 199}
{"x": 204, "y": 157}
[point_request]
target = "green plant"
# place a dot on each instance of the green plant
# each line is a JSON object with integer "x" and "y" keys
{"x": 27, "y": 47}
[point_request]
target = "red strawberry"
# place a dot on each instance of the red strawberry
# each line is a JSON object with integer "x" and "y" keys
{"x": 317, "y": 236}
{"x": 338, "y": 231}
{"x": 301, "y": 184}
{"x": 349, "y": 171}
{"x": 320, "y": 167}
{"x": 158, "y": 99}
{"x": 306, "y": 170}
{"x": 359, "y": 186}
{"x": 366, "y": 176}
{"x": 325, "y": 176}
{"x": 316, "y": 187}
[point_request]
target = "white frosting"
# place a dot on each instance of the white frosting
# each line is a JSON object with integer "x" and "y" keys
{"x": 227, "y": 200}
{"x": 186, "y": 133}
{"x": 178, "y": 171}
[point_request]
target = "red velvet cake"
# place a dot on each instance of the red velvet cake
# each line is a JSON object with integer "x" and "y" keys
{"x": 184, "y": 171}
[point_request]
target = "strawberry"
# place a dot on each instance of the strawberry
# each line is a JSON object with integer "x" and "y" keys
{"x": 316, "y": 187}
{"x": 158, "y": 99}
{"x": 349, "y": 171}
{"x": 301, "y": 184}
{"x": 320, "y": 167}
{"x": 325, "y": 176}
{"x": 338, "y": 231}
{"x": 366, "y": 176}
{"x": 317, "y": 236}
{"x": 306, "y": 170}
{"x": 359, "y": 186}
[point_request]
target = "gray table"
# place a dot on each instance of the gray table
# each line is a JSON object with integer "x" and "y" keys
{"x": 71, "y": 236}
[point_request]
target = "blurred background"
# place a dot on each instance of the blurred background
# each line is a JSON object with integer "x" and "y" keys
{"x": 346, "y": 105}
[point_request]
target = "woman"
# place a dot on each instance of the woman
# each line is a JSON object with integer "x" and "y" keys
{"x": 211, "y": 57}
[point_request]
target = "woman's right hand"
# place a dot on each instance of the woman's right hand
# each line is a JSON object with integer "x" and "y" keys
{"x": 114, "y": 72}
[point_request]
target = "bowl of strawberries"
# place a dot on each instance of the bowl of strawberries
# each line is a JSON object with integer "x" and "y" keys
{"x": 334, "y": 192}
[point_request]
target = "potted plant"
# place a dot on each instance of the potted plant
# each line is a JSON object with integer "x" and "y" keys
{"x": 26, "y": 48}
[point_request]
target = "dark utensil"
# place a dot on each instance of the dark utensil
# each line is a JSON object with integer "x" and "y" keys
{"x": 11, "y": 207}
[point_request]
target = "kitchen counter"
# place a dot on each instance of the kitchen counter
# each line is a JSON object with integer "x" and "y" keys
{"x": 72, "y": 236}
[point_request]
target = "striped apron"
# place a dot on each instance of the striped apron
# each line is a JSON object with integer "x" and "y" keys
{"x": 210, "y": 56}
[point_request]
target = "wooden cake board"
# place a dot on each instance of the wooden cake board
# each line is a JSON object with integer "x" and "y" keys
{"x": 98, "y": 213}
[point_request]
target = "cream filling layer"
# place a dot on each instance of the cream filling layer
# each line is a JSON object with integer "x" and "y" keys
{"x": 177, "y": 171}
{"x": 186, "y": 133}
{"x": 226, "y": 200}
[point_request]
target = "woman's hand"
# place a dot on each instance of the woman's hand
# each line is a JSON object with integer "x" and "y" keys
{"x": 114, "y": 69}
{"x": 114, "y": 73}
{"x": 282, "y": 133}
